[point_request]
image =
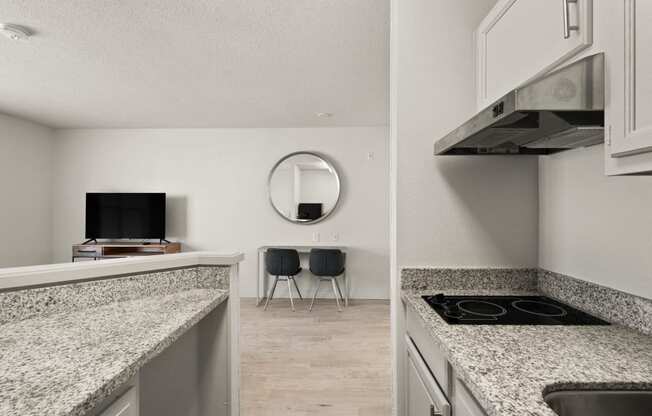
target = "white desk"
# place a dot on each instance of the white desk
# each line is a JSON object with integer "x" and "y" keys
{"x": 302, "y": 249}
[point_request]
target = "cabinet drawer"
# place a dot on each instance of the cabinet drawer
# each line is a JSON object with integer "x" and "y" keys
{"x": 86, "y": 252}
{"x": 433, "y": 356}
{"x": 125, "y": 405}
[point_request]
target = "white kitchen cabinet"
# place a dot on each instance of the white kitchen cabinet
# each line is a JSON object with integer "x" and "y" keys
{"x": 628, "y": 114}
{"x": 419, "y": 402}
{"x": 125, "y": 405}
{"x": 464, "y": 404}
{"x": 521, "y": 39}
{"x": 433, "y": 356}
{"x": 423, "y": 394}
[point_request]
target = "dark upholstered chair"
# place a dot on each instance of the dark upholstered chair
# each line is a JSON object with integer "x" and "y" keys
{"x": 284, "y": 265}
{"x": 326, "y": 265}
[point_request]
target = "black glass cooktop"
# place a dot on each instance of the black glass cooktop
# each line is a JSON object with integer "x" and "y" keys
{"x": 508, "y": 310}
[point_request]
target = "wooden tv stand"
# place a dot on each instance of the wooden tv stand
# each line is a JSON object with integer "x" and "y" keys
{"x": 119, "y": 249}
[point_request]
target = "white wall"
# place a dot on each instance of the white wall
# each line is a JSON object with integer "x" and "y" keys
{"x": 216, "y": 181}
{"x": 453, "y": 211}
{"x": 595, "y": 227}
{"x": 25, "y": 204}
{"x": 449, "y": 211}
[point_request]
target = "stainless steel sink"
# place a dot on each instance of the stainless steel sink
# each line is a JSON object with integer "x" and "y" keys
{"x": 600, "y": 402}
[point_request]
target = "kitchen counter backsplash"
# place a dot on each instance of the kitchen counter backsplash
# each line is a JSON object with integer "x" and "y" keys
{"x": 26, "y": 303}
{"x": 609, "y": 304}
{"x": 468, "y": 279}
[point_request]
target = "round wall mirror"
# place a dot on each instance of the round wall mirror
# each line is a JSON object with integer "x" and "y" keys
{"x": 304, "y": 187}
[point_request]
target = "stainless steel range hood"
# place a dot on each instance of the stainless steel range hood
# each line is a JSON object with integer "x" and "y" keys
{"x": 560, "y": 111}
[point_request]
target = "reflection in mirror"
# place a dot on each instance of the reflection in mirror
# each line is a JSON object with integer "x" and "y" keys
{"x": 304, "y": 187}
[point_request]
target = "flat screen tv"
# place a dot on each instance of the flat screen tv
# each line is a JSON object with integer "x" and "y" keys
{"x": 308, "y": 211}
{"x": 125, "y": 215}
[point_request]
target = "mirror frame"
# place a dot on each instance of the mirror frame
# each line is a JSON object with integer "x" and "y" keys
{"x": 337, "y": 180}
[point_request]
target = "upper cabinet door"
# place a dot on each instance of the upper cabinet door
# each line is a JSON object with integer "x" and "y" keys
{"x": 521, "y": 39}
{"x": 628, "y": 115}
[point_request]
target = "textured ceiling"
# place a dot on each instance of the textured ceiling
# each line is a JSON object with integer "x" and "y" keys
{"x": 197, "y": 63}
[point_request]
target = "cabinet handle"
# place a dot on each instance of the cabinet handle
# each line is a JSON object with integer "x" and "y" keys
{"x": 434, "y": 412}
{"x": 566, "y": 13}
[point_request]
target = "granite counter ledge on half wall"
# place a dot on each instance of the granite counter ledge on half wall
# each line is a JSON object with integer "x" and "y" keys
{"x": 66, "y": 349}
{"x": 508, "y": 368}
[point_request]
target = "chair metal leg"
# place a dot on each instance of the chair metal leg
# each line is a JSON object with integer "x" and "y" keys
{"x": 297, "y": 288}
{"x": 271, "y": 293}
{"x": 315, "y": 295}
{"x": 347, "y": 287}
{"x": 337, "y": 298}
{"x": 290, "y": 290}
{"x": 339, "y": 290}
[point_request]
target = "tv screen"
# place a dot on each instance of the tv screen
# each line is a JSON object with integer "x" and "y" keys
{"x": 309, "y": 211}
{"x": 128, "y": 215}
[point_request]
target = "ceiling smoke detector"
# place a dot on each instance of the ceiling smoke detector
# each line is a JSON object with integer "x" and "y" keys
{"x": 324, "y": 115}
{"x": 15, "y": 32}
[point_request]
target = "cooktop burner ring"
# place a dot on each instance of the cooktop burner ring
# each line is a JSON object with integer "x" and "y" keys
{"x": 560, "y": 311}
{"x": 500, "y": 311}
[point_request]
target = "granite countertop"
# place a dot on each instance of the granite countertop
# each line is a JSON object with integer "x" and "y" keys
{"x": 68, "y": 362}
{"x": 508, "y": 368}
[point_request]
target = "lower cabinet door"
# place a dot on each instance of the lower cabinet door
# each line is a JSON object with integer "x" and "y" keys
{"x": 419, "y": 402}
{"x": 424, "y": 397}
{"x": 463, "y": 401}
{"x": 125, "y": 405}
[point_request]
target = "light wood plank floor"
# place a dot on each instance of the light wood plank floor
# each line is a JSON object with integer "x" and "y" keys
{"x": 319, "y": 363}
